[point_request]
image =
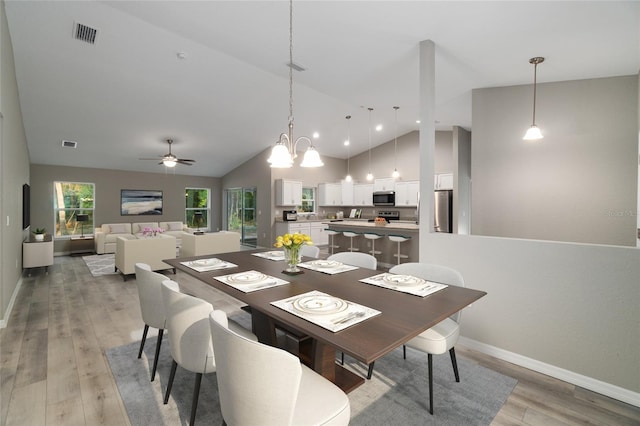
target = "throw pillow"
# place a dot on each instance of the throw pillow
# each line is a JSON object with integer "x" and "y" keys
{"x": 175, "y": 226}
{"x": 118, "y": 229}
{"x": 141, "y": 226}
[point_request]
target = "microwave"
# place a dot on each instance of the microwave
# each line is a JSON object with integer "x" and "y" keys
{"x": 384, "y": 198}
{"x": 289, "y": 215}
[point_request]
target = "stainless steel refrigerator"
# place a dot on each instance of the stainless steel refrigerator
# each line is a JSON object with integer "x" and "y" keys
{"x": 443, "y": 211}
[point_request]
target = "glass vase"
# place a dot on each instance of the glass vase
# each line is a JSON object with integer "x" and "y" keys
{"x": 292, "y": 257}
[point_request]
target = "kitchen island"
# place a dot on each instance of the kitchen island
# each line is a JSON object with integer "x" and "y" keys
{"x": 384, "y": 245}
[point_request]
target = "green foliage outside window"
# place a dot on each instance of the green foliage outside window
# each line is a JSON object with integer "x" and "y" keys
{"x": 69, "y": 200}
{"x": 197, "y": 200}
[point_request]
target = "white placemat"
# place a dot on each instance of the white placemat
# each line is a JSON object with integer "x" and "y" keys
{"x": 249, "y": 281}
{"x": 325, "y": 310}
{"x": 211, "y": 264}
{"x": 330, "y": 267}
{"x": 405, "y": 283}
{"x": 271, "y": 255}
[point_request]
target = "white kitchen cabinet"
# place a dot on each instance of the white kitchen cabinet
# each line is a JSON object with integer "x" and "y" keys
{"x": 384, "y": 184}
{"x": 346, "y": 193}
{"x": 329, "y": 194}
{"x": 407, "y": 193}
{"x": 363, "y": 194}
{"x": 318, "y": 234}
{"x": 443, "y": 181}
{"x": 288, "y": 192}
{"x": 313, "y": 229}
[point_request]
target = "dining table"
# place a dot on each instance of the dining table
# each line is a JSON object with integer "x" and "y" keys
{"x": 399, "y": 316}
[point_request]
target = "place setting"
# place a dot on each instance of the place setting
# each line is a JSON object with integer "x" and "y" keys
{"x": 405, "y": 284}
{"x": 249, "y": 281}
{"x": 211, "y": 264}
{"x": 327, "y": 311}
{"x": 276, "y": 255}
{"x": 327, "y": 266}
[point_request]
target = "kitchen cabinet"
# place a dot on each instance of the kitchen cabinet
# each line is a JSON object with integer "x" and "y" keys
{"x": 329, "y": 194}
{"x": 443, "y": 181}
{"x": 346, "y": 193}
{"x": 318, "y": 234}
{"x": 384, "y": 184}
{"x": 313, "y": 229}
{"x": 407, "y": 193}
{"x": 363, "y": 194}
{"x": 288, "y": 192}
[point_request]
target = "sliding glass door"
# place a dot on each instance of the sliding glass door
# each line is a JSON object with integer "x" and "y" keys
{"x": 241, "y": 214}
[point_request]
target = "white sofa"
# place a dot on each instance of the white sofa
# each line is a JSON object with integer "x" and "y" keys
{"x": 209, "y": 243}
{"x": 106, "y": 235}
{"x": 150, "y": 250}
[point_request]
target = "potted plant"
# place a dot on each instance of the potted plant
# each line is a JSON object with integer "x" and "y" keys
{"x": 39, "y": 233}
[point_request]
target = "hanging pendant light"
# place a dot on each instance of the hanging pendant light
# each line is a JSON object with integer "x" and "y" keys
{"x": 284, "y": 152}
{"x": 348, "y": 144}
{"x": 396, "y": 173}
{"x": 534, "y": 133}
{"x": 370, "y": 175}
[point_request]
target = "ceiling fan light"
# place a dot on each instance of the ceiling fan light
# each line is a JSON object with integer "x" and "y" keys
{"x": 280, "y": 157}
{"x": 311, "y": 158}
{"x": 533, "y": 133}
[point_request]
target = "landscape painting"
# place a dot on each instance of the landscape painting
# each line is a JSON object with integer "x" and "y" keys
{"x": 136, "y": 202}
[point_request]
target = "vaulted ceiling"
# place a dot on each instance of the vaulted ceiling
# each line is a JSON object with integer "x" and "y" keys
{"x": 212, "y": 75}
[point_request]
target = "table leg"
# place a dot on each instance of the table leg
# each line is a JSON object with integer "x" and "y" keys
{"x": 264, "y": 328}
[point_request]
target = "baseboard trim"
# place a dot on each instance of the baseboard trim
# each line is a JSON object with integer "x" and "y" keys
{"x": 5, "y": 321}
{"x": 603, "y": 388}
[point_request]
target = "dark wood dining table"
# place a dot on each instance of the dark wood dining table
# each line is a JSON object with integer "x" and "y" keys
{"x": 403, "y": 316}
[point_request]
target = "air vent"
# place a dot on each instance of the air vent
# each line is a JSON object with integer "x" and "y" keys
{"x": 84, "y": 33}
{"x": 69, "y": 144}
{"x": 296, "y": 67}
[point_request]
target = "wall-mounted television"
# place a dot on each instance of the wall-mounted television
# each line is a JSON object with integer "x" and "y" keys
{"x": 26, "y": 206}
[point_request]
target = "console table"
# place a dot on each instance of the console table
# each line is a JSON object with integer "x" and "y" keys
{"x": 37, "y": 253}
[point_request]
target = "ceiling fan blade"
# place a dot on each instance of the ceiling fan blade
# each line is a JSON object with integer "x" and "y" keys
{"x": 184, "y": 163}
{"x": 185, "y": 159}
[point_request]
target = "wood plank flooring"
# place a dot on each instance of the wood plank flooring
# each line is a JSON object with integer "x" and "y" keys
{"x": 53, "y": 369}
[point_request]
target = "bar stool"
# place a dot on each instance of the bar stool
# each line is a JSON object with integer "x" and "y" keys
{"x": 331, "y": 233}
{"x": 373, "y": 237}
{"x": 351, "y": 235}
{"x": 399, "y": 239}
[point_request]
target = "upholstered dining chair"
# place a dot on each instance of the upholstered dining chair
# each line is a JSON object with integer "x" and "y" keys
{"x": 264, "y": 385}
{"x": 149, "y": 285}
{"x": 362, "y": 260}
{"x": 310, "y": 251}
{"x": 443, "y": 336}
{"x": 190, "y": 337}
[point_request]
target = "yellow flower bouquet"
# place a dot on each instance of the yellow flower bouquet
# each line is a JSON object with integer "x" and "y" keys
{"x": 291, "y": 243}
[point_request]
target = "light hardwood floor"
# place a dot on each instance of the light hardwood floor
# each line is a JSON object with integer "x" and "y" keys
{"x": 53, "y": 369}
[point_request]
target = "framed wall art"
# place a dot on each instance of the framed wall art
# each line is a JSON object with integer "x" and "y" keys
{"x": 139, "y": 202}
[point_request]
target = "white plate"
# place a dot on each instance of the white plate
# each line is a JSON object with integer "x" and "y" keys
{"x": 326, "y": 264}
{"x": 206, "y": 262}
{"x": 403, "y": 280}
{"x": 273, "y": 253}
{"x": 319, "y": 305}
{"x": 246, "y": 277}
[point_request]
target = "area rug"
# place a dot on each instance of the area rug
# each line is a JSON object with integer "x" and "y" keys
{"x": 101, "y": 264}
{"x": 396, "y": 394}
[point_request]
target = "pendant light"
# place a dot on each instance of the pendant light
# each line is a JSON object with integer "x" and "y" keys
{"x": 348, "y": 144}
{"x": 395, "y": 173}
{"x": 534, "y": 133}
{"x": 370, "y": 175}
{"x": 284, "y": 152}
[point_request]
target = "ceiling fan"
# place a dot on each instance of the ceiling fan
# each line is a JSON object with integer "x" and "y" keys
{"x": 170, "y": 160}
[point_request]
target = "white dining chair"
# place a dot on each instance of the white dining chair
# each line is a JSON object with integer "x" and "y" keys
{"x": 362, "y": 260}
{"x": 190, "y": 337}
{"x": 443, "y": 336}
{"x": 267, "y": 386}
{"x": 310, "y": 251}
{"x": 149, "y": 286}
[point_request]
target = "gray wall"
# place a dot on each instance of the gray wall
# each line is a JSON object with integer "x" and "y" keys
{"x": 14, "y": 170}
{"x": 578, "y": 183}
{"x": 108, "y": 184}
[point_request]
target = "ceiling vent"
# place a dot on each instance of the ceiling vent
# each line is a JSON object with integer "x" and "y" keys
{"x": 84, "y": 33}
{"x": 69, "y": 144}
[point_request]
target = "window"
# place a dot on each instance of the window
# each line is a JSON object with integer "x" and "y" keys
{"x": 69, "y": 200}
{"x": 197, "y": 208}
{"x": 308, "y": 201}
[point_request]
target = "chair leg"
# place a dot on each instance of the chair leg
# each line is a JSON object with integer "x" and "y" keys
{"x": 144, "y": 339}
{"x": 342, "y": 359}
{"x": 194, "y": 403}
{"x": 155, "y": 361}
{"x": 404, "y": 351}
{"x": 430, "y": 362}
{"x": 452, "y": 353}
{"x": 174, "y": 365}
{"x": 370, "y": 372}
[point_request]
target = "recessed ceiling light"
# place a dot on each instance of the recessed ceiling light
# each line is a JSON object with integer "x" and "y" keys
{"x": 418, "y": 121}
{"x": 181, "y": 55}
{"x": 316, "y": 135}
{"x": 378, "y": 127}
{"x": 346, "y": 143}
